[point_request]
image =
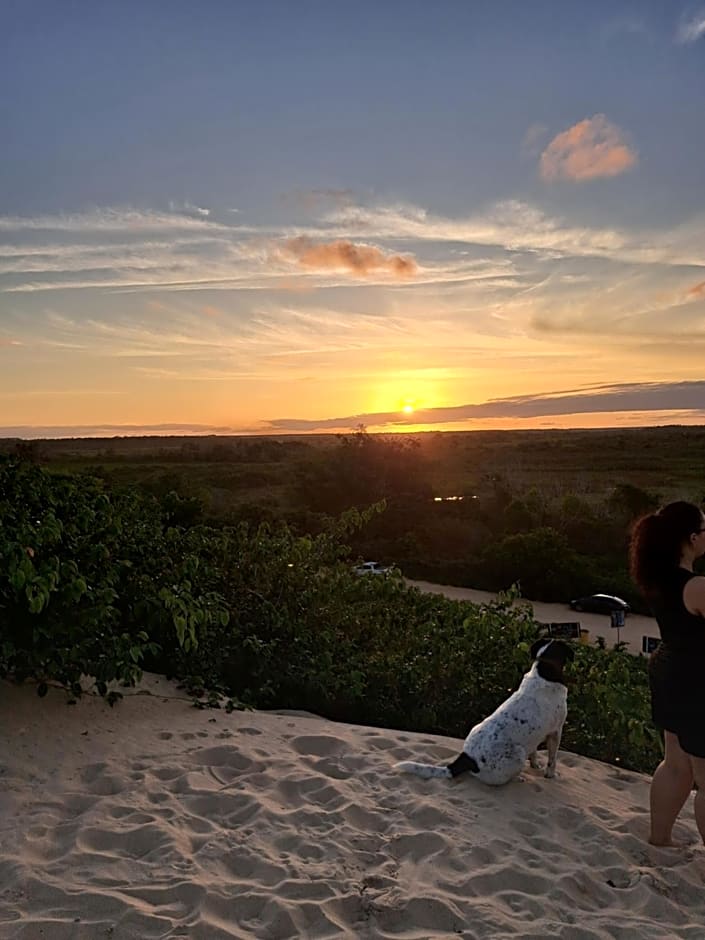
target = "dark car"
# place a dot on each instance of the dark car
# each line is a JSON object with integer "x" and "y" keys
{"x": 600, "y": 604}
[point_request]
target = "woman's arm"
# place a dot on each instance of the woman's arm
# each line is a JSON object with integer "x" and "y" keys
{"x": 694, "y": 596}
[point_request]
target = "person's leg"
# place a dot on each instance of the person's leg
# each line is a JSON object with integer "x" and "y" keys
{"x": 699, "y": 773}
{"x": 670, "y": 786}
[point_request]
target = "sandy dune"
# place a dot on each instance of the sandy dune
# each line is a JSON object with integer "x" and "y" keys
{"x": 156, "y": 820}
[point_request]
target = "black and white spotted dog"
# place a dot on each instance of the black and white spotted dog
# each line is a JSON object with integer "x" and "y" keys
{"x": 497, "y": 748}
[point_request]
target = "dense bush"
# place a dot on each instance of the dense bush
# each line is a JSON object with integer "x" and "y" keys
{"x": 90, "y": 579}
{"x": 99, "y": 582}
{"x": 609, "y": 709}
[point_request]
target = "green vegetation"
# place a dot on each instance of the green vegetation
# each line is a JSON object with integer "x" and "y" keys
{"x": 549, "y": 508}
{"x": 102, "y": 580}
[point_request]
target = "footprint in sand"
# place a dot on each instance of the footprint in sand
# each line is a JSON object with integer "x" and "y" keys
{"x": 318, "y": 745}
{"x": 330, "y": 767}
{"x": 417, "y": 846}
{"x": 167, "y": 773}
{"x": 101, "y": 782}
{"x": 222, "y": 756}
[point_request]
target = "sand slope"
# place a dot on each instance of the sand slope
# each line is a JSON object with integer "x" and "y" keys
{"x": 156, "y": 820}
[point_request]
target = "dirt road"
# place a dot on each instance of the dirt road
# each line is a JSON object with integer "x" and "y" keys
{"x": 635, "y": 628}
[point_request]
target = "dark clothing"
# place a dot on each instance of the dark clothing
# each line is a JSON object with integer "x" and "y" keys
{"x": 677, "y": 667}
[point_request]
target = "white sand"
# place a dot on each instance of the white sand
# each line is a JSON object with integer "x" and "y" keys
{"x": 156, "y": 820}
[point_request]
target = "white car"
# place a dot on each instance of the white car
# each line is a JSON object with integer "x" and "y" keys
{"x": 370, "y": 567}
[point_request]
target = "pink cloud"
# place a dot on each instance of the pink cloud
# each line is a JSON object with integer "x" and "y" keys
{"x": 359, "y": 259}
{"x": 588, "y": 150}
{"x": 696, "y": 291}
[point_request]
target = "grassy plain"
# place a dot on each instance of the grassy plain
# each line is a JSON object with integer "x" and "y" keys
{"x": 669, "y": 461}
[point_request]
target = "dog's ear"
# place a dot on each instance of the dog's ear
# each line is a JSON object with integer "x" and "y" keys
{"x": 537, "y": 644}
{"x": 563, "y": 651}
{"x": 559, "y": 650}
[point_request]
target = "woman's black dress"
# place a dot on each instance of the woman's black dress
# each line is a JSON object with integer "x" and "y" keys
{"x": 677, "y": 667}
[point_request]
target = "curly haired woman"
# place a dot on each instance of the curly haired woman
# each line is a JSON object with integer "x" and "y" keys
{"x": 663, "y": 547}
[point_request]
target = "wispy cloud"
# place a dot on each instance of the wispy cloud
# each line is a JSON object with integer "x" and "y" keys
{"x": 188, "y": 208}
{"x": 516, "y": 226}
{"x": 49, "y": 432}
{"x": 696, "y": 291}
{"x": 359, "y": 259}
{"x": 691, "y": 27}
{"x": 502, "y": 248}
{"x": 112, "y": 220}
{"x": 511, "y": 225}
{"x": 591, "y": 149}
{"x": 603, "y": 399}
{"x": 657, "y": 400}
{"x": 115, "y": 249}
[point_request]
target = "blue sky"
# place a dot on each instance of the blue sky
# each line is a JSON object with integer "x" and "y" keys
{"x": 273, "y": 216}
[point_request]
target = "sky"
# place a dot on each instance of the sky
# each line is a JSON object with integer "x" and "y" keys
{"x": 252, "y": 216}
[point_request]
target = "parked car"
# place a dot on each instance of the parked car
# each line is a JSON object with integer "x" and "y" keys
{"x": 600, "y": 604}
{"x": 370, "y": 567}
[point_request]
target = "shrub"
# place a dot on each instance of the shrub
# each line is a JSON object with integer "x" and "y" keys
{"x": 99, "y": 582}
{"x": 79, "y": 569}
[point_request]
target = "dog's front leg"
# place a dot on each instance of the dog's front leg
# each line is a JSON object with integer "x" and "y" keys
{"x": 534, "y": 760}
{"x": 553, "y": 740}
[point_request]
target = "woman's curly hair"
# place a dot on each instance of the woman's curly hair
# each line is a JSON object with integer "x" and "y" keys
{"x": 657, "y": 541}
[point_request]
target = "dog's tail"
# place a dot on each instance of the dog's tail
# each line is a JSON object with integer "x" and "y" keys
{"x": 422, "y": 770}
{"x": 461, "y": 765}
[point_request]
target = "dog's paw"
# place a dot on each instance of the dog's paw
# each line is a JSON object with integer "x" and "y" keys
{"x": 550, "y": 772}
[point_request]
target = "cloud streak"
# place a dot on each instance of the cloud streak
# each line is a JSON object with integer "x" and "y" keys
{"x": 51, "y": 432}
{"x": 114, "y": 220}
{"x": 350, "y": 245}
{"x": 654, "y": 398}
{"x": 591, "y": 149}
{"x": 696, "y": 291}
{"x": 633, "y": 397}
{"x": 691, "y": 28}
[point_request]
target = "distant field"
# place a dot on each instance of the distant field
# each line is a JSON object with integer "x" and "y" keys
{"x": 668, "y": 460}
